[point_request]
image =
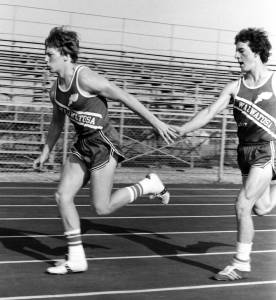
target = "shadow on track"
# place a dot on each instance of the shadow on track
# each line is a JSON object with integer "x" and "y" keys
{"x": 157, "y": 243}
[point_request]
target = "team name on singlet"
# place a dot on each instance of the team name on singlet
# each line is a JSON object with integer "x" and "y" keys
{"x": 82, "y": 118}
{"x": 255, "y": 114}
{"x": 255, "y": 111}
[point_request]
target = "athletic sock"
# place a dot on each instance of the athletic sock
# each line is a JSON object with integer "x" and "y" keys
{"x": 75, "y": 247}
{"x": 135, "y": 191}
{"x": 243, "y": 251}
{"x": 146, "y": 185}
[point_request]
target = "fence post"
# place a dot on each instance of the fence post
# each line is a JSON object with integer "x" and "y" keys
{"x": 193, "y": 133}
{"x": 222, "y": 146}
{"x": 65, "y": 140}
{"x": 122, "y": 121}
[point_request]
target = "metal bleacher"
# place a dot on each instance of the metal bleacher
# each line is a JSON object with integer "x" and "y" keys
{"x": 174, "y": 88}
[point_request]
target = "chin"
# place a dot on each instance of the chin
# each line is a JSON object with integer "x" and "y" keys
{"x": 244, "y": 70}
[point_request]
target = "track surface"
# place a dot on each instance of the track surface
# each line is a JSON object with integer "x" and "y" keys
{"x": 143, "y": 251}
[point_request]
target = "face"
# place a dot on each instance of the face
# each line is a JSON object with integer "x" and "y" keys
{"x": 245, "y": 57}
{"x": 54, "y": 59}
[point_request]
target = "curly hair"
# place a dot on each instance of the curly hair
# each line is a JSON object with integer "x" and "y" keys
{"x": 257, "y": 41}
{"x": 66, "y": 41}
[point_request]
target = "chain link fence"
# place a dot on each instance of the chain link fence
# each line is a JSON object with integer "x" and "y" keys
{"x": 24, "y": 129}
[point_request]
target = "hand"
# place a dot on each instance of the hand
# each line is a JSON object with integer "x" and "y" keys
{"x": 179, "y": 130}
{"x": 39, "y": 163}
{"x": 167, "y": 132}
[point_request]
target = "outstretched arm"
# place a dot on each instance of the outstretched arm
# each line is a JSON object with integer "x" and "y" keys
{"x": 204, "y": 116}
{"x": 96, "y": 84}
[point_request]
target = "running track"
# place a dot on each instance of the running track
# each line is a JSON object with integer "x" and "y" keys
{"x": 143, "y": 251}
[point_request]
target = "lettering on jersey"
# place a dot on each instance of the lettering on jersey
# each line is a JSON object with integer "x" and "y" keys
{"x": 244, "y": 106}
{"x": 258, "y": 116}
{"x": 255, "y": 114}
{"x": 73, "y": 98}
{"x": 263, "y": 96}
{"x": 87, "y": 119}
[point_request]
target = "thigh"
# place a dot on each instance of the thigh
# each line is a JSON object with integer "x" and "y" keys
{"x": 73, "y": 176}
{"x": 101, "y": 182}
{"x": 257, "y": 183}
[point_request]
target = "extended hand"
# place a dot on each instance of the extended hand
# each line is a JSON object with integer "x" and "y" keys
{"x": 39, "y": 163}
{"x": 178, "y": 129}
{"x": 167, "y": 132}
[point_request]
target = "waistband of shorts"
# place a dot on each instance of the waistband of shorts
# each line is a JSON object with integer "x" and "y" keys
{"x": 256, "y": 143}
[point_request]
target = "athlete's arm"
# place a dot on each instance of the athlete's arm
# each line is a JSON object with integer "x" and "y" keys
{"x": 207, "y": 114}
{"x": 94, "y": 83}
{"x": 54, "y": 132}
{"x": 274, "y": 83}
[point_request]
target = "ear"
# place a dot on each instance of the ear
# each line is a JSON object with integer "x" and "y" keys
{"x": 67, "y": 58}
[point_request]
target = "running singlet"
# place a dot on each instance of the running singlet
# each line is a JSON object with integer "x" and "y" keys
{"x": 255, "y": 112}
{"x": 88, "y": 113}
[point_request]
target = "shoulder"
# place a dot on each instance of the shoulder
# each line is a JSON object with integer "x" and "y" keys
{"x": 231, "y": 88}
{"x": 87, "y": 74}
{"x": 91, "y": 81}
{"x": 273, "y": 81}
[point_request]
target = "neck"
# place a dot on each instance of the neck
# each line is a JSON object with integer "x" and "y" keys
{"x": 257, "y": 75}
{"x": 66, "y": 74}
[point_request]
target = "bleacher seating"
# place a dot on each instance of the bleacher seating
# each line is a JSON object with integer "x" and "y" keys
{"x": 149, "y": 76}
{"x": 173, "y": 87}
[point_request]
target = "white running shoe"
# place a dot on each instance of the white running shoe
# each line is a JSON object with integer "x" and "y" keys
{"x": 237, "y": 270}
{"x": 66, "y": 266}
{"x": 157, "y": 188}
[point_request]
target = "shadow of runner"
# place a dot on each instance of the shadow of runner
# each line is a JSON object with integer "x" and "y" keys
{"x": 22, "y": 242}
{"x": 157, "y": 244}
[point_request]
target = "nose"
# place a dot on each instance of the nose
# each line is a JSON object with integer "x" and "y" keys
{"x": 237, "y": 55}
{"x": 46, "y": 59}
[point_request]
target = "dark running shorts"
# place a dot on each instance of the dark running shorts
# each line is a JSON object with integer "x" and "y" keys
{"x": 256, "y": 155}
{"x": 95, "y": 149}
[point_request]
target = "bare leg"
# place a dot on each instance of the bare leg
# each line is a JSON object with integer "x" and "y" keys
{"x": 101, "y": 186}
{"x": 253, "y": 189}
{"x": 267, "y": 202}
{"x": 106, "y": 202}
{"x": 72, "y": 179}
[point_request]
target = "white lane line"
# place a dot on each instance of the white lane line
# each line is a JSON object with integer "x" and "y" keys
{"x": 170, "y": 188}
{"x": 272, "y": 251}
{"x": 129, "y": 205}
{"x": 134, "y": 217}
{"x": 87, "y": 196}
{"x": 142, "y": 291}
{"x": 133, "y": 233}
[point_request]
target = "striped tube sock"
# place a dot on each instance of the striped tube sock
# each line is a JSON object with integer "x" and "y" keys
{"x": 135, "y": 191}
{"x": 75, "y": 248}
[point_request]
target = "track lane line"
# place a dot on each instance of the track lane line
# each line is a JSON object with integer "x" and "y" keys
{"x": 142, "y": 291}
{"x": 134, "y": 217}
{"x": 128, "y": 205}
{"x": 144, "y": 196}
{"x": 115, "y": 188}
{"x": 272, "y": 251}
{"x": 133, "y": 233}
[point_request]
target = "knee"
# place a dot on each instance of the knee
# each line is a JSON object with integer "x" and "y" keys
{"x": 243, "y": 207}
{"x": 61, "y": 198}
{"x": 58, "y": 197}
{"x": 102, "y": 210}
